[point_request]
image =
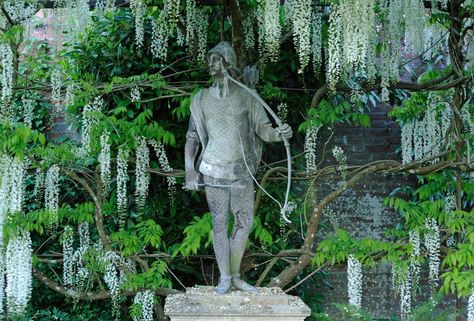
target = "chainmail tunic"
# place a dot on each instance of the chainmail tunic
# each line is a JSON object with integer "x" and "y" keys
{"x": 223, "y": 157}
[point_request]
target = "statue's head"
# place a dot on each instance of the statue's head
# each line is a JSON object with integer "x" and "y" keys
{"x": 221, "y": 56}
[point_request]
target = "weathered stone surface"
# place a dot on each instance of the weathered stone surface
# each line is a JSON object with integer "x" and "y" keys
{"x": 203, "y": 303}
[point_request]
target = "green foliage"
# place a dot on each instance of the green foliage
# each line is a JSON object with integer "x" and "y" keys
{"x": 198, "y": 231}
{"x": 153, "y": 278}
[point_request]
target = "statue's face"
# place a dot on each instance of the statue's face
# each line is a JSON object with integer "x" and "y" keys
{"x": 216, "y": 63}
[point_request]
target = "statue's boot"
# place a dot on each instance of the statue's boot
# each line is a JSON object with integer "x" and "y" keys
{"x": 240, "y": 284}
{"x": 224, "y": 285}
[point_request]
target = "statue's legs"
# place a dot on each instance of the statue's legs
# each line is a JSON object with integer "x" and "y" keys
{"x": 218, "y": 200}
{"x": 242, "y": 206}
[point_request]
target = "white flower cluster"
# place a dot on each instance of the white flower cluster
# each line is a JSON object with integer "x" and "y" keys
{"x": 112, "y": 279}
{"x": 165, "y": 166}
{"x": 334, "y": 48}
{"x": 341, "y": 158}
{"x": 415, "y": 26}
{"x": 18, "y": 274}
{"x": 202, "y": 25}
{"x": 139, "y": 10}
{"x": 51, "y": 195}
{"x": 38, "y": 189}
{"x": 391, "y": 47}
{"x": 103, "y": 5}
{"x": 415, "y": 241}
{"x": 146, "y": 300}
{"x": 69, "y": 97}
{"x": 180, "y": 37}
{"x": 81, "y": 275}
{"x": 354, "y": 281}
{"x": 301, "y": 22}
{"x": 422, "y": 138}
{"x": 407, "y": 142}
{"x": 122, "y": 178}
{"x": 450, "y": 202}
{"x": 433, "y": 244}
{"x": 470, "y": 307}
{"x": 142, "y": 164}
{"x": 2, "y": 277}
{"x": 317, "y": 41}
{"x": 310, "y": 145}
{"x": 282, "y": 110}
{"x": 190, "y": 22}
{"x": 436, "y": 37}
{"x": 402, "y": 284}
{"x": 20, "y": 10}
{"x": 6, "y": 57}
{"x": 68, "y": 256}
{"x": 171, "y": 13}
{"x": 159, "y": 41}
{"x": 28, "y": 110}
{"x": 104, "y": 160}
{"x": 16, "y": 188}
{"x": 405, "y": 297}
{"x": 269, "y": 28}
{"x": 248, "y": 25}
{"x": 88, "y": 122}
{"x": 56, "y": 84}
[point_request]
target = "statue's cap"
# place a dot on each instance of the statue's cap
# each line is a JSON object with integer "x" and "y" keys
{"x": 225, "y": 50}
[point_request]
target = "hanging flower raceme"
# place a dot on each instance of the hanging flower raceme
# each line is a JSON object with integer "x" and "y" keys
{"x": 6, "y": 57}
{"x": 301, "y": 22}
{"x": 433, "y": 245}
{"x": 51, "y": 195}
{"x": 341, "y": 158}
{"x": 407, "y": 142}
{"x": 56, "y": 84}
{"x": 2, "y": 280}
{"x": 316, "y": 41}
{"x": 165, "y": 166}
{"x": 68, "y": 259}
{"x": 122, "y": 178}
{"x": 38, "y": 189}
{"x": 248, "y": 25}
{"x": 354, "y": 281}
{"x": 104, "y": 160}
{"x": 470, "y": 307}
{"x": 269, "y": 28}
{"x": 18, "y": 274}
{"x": 145, "y": 299}
{"x": 415, "y": 26}
{"x": 159, "y": 46}
{"x": 142, "y": 164}
{"x": 16, "y": 188}
{"x": 202, "y": 25}
{"x": 112, "y": 280}
{"x": 88, "y": 122}
{"x": 310, "y": 145}
{"x": 27, "y": 111}
{"x": 139, "y": 10}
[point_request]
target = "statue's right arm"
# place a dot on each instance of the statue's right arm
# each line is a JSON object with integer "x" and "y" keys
{"x": 191, "y": 150}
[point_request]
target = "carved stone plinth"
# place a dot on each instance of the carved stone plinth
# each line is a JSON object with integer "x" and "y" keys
{"x": 202, "y": 303}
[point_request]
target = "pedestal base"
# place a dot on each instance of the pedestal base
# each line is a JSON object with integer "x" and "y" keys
{"x": 203, "y": 303}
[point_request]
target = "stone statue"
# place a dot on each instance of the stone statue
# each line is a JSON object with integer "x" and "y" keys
{"x": 228, "y": 125}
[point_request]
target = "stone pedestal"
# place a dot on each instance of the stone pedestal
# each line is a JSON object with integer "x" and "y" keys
{"x": 203, "y": 303}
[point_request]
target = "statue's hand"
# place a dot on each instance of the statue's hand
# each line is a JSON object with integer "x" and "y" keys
{"x": 192, "y": 181}
{"x": 285, "y": 131}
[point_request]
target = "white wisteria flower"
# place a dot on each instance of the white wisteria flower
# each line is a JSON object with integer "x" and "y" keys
{"x": 146, "y": 301}
{"x": 165, "y": 166}
{"x": 310, "y": 145}
{"x": 433, "y": 245}
{"x": 18, "y": 274}
{"x": 51, "y": 195}
{"x": 104, "y": 160}
{"x": 354, "y": 281}
{"x": 122, "y": 178}
{"x": 68, "y": 256}
{"x": 142, "y": 176}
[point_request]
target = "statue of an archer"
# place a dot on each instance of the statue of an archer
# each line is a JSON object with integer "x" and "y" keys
{"x": 229, "y": 122}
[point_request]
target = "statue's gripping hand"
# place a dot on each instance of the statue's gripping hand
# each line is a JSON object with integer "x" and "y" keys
{"x": 285, "y": 131}
{"x": 192, "y": 180}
